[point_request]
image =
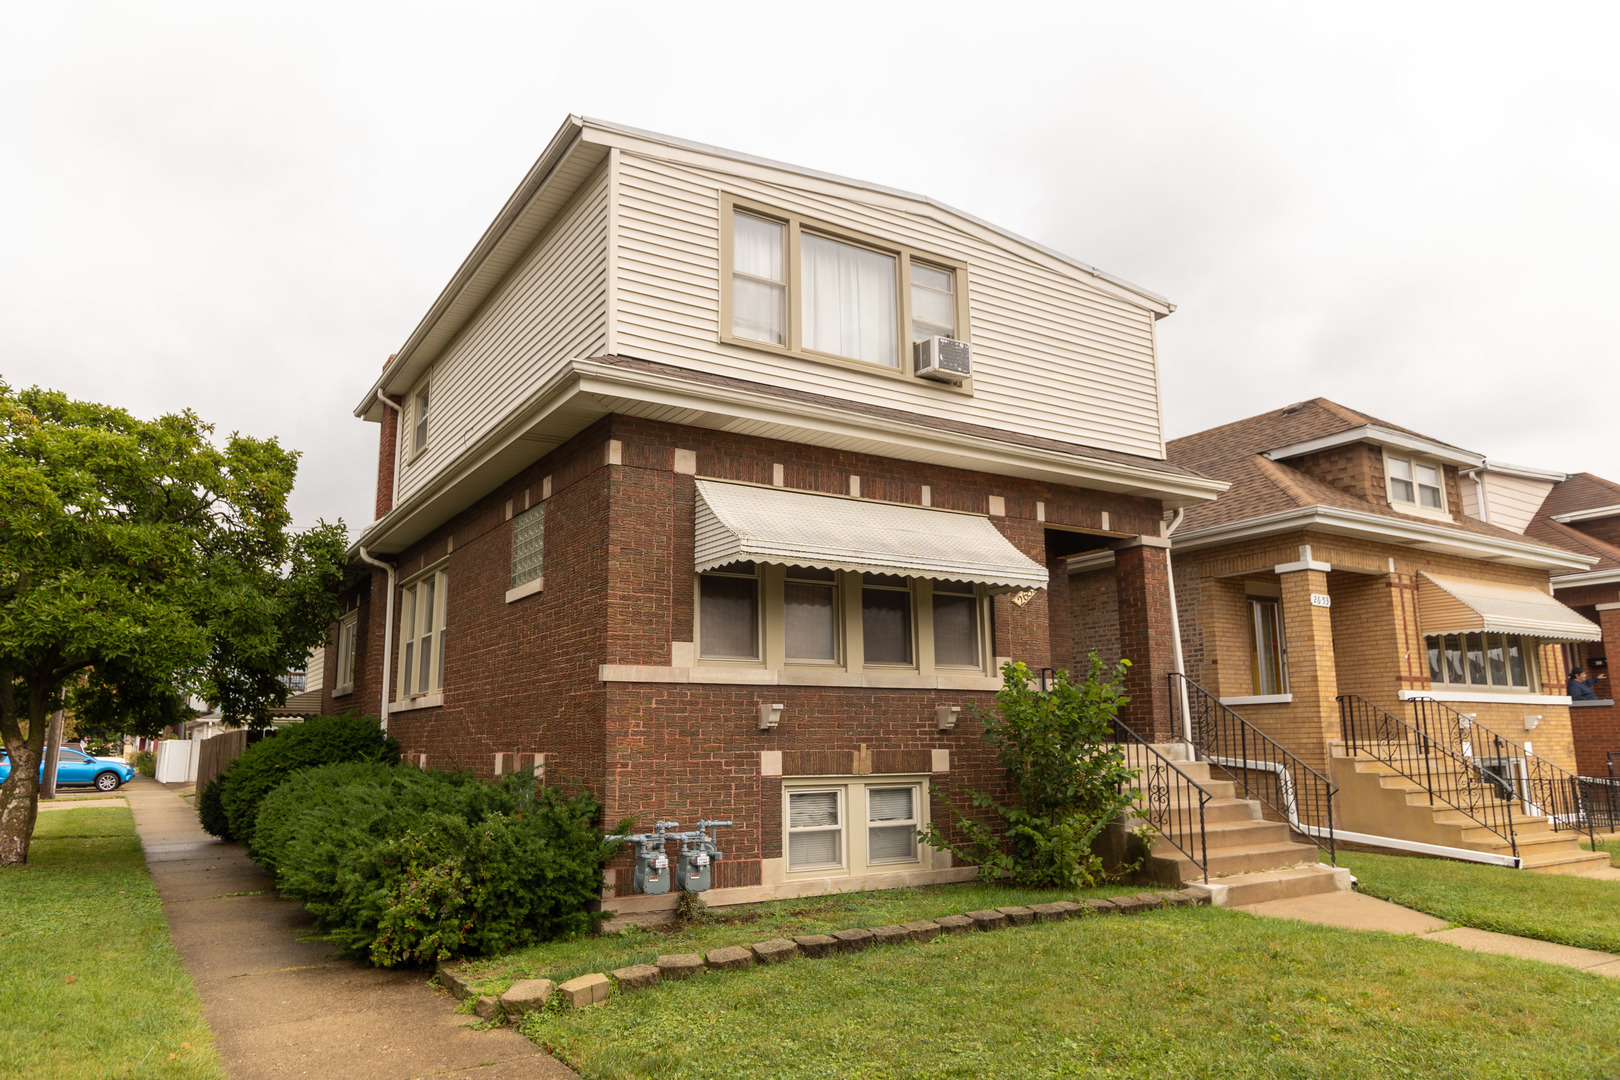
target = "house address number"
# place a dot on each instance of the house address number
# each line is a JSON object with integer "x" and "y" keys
{"x": 1321, "y": 600}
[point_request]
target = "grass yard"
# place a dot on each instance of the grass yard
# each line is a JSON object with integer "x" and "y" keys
{"x": 755, "y": 922}
{"x": 1200, "y": 992}
{"x": 90, "y": 986}
{"x": 1583, "y": 912}
{"x": 1611, "y": 846}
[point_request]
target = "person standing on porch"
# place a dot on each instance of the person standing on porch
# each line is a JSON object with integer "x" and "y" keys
{"x": 1581, "y": 689}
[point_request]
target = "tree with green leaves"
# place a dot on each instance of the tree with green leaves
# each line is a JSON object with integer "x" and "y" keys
{"x": 142, "y": 563}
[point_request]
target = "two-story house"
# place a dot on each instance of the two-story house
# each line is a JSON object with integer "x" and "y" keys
{"x": 687, "y": 494}
{"x": 1352, "y": 598}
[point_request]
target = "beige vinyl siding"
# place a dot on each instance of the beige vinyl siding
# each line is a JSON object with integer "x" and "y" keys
{"x": 1511, "y": 501}
{"x": 1054, "y": 355}
{"x": 551, "y": 308}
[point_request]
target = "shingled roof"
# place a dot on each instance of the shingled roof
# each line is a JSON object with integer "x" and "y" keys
{"x": 1261, "y": 487}
{"x": 1581, "y": 491}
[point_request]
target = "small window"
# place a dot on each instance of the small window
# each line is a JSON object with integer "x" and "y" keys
{"x": 1415, "y": 483}
{"x": 933, "y": 303}
{"x": 891, "y": 825}
{"x": 956, "y": 625}
{"x": 528, "y": 545}
{"x": 815, "y": 830}
{"x": 758, "y": 280}
{"x": 886, "y": 619}
{"x": 348, "y": 635}
{"x": 1268, "y": 652}
{"x": 422, "y": 635}
{"x": 1481, "y": 660}
{"x": 728, "y": 612}
{"x": 810, "y": 614}
{"x": 419, "y": 422}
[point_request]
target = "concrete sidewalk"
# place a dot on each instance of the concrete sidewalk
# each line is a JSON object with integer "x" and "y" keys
{"x": 281, "y": 1006}
{"x": 1357, "y": 911}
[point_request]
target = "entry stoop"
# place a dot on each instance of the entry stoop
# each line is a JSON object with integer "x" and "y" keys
{"x": 1251, "y": 857}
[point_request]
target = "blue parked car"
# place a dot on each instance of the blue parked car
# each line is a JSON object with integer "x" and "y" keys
{"x": 104, "y": 774}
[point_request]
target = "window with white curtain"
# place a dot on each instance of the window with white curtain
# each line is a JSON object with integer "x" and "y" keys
{"x": 811, "y": 288}
{"x": 422, "y": 635}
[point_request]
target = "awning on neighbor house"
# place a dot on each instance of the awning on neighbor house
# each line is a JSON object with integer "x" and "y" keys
{"x": 750, "y": 523}
{"x": 1457, "y": 606}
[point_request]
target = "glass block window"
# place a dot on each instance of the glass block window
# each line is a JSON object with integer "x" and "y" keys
{"x": 528, "y": 545}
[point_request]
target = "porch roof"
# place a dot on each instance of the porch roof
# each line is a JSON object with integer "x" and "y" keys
{"x": 752, "y": 523}
{"x": 1455, "y": 606}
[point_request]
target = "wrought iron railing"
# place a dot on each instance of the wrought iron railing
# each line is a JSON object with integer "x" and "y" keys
{"x": 1170, "y": 802}
{"x": 1256, "y": 762}
{"x": 1602, "y": 798}
{"x": 1464, "y": 783}
{"x": 1544, "y": 789}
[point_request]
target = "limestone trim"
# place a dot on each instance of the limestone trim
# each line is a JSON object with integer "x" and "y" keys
{"x": 1483, "y": 697}
{"x": 1259, "y": 699}
{"x": 741, "y": 676}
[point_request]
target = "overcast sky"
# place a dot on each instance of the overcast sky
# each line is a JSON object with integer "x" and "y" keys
{"x": 1409, "y": 208}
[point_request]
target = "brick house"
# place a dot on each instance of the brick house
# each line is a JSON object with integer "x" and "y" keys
{"x": 1348, "y": 587}
{"x": 657, "y": 472}
{"x": 1582, "y": 513}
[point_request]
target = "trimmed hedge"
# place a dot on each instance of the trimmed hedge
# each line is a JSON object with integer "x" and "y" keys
{"x": 320, "y": 740}
{"x": 409, "y": 867}
{"x": 211, "y": 810}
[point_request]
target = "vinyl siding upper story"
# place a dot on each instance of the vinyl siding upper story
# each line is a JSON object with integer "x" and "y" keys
{"x": 629, "y": 263}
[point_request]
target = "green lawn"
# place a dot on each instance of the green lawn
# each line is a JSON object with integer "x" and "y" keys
{"x": 1180, "y": 993}
{"x": 1611, "y": 846}
{"x": 745, "y": 925}
{"x": 84, "y": 910}
{"x": 1568, "y": 910}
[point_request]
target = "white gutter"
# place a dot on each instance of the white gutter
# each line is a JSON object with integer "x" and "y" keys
{"x": 1175, "y": 627}
{"x": 388, "y": 631}
{"x": 1479, "y": 493}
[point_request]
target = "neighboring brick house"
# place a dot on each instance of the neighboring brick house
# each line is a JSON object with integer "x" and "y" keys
{"x": 1342, "y": 561}
{"x": 1582, "y": 513}
{"x": 657, "y": 470}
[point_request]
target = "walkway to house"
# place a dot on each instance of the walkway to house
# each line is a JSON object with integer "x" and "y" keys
{"x": 1357, "y": 911}
{"x": 282, "y": 1006}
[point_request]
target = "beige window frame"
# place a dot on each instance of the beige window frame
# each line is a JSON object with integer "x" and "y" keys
{"x": 415, "y": 420}
{"x": 1412, "y": 465}
{"x": 795, "y": 226}
{"x": 348, "y": 636}
{"x": 856, "y": 824}
{"x": 1482, "y": 660}
{"x": 849, "y": 650}
{"x": 422, "y": 633}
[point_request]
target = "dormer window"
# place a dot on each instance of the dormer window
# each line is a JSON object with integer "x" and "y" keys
{"x": 823, "y": 292}
{"x": 1414, "y": 483}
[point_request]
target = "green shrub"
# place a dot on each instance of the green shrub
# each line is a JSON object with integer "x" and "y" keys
{"x": 320, "y": 740}
{"x": 1069, "y": 780}
{"x": 146, "y": 763}
{"x": 409, "y": 867}
{"x": 211, "y": 810}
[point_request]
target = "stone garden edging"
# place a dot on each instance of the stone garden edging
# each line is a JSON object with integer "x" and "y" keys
{"x": 532, "y": 995}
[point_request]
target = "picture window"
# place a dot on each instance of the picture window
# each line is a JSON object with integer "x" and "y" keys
{"x": 1482, "y": 660}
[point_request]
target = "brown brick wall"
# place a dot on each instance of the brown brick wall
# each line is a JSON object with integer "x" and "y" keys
{"x": 1357, "y": 469}
{"x": 387, "y": 458}
{"x": 1093, "y": 618}
{"x": 1143, "y": 588}
{"x": 1604, "y": 529}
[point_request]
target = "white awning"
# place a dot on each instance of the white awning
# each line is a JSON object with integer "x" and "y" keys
{"x": 749, "y": 523}
{"x": 1456, "y": 606}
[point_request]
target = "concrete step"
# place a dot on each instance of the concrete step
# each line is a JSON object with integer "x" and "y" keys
{"x": 1223, "y": 810}
{"x": 1576, "y": 862}
{"x": 1308, "y": 879}
{"x": 1226, "y": 861}
{"x": 1225, "y": 835}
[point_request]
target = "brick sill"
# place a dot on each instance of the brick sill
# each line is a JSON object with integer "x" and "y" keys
{"x": 1599, "y": 703}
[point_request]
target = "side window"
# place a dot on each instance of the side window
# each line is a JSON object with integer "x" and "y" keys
{"x": 422, "y": 634}
{"x": 419, "y": 421}
{"x": 348, "y": 633}
{"x": 1267, "y": 648}
{"x": 528, "y": 545}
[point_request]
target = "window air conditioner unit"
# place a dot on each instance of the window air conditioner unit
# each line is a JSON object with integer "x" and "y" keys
{"x": 943, "y": 358}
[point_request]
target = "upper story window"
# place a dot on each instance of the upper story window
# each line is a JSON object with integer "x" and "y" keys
{"x": 786, "y": 616}
{"x": 805, "y": 287}
{"x": 419, "y": 421}
{"x": 1414, "y": 482}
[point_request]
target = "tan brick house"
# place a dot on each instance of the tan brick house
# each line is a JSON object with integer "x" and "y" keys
{"x": 676, "y": 499}
{"x": 1582, "y": 513}
{"x": 1342, "y": 589}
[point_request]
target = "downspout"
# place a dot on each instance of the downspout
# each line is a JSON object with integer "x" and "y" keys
{"x": 1175, "y": 629}
{"x": 1479, "y": 492}
{"x": 388, "y": 633}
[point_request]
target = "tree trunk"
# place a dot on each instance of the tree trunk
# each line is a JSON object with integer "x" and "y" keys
{"x": 53, "y": 756}
{"x": 19, "y": 805}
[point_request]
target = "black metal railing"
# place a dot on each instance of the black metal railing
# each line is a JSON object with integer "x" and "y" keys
{"x": 1544, "y": 789}
{"x": 1601, "y": 796}
{"x": 1170, "y": 802}
{"x": 1466, "y": 784}
{"x": 1254, "y": 760}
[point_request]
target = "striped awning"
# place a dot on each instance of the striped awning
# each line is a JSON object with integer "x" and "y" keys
{"x": 1460, "y": 605}
{"x": 751, "y": 523}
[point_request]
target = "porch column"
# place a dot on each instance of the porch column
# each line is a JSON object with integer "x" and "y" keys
{"x": 1142, "y": 580}
{"x": 1313, "y": 677}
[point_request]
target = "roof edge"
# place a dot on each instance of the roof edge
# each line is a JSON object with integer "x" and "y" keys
{"x": 1377, "y": 433}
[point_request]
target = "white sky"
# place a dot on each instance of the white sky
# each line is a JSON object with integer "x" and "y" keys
{"x": 1408, "y": 208}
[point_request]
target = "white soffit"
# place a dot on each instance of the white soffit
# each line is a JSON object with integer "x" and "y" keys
{"x": 1455, "y": 606}
{"x": 748, "y": 523}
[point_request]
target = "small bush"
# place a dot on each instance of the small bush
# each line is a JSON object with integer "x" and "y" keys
{"x": 321, "y": 740}
{"x": 211, "y": 810}
{"x": 146, "y": 763}
{"x": 409, "y": 867}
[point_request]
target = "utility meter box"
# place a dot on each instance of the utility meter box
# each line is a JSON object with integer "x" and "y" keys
{"x": 652, "y": 873}
{"x": 695, "y": 871}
